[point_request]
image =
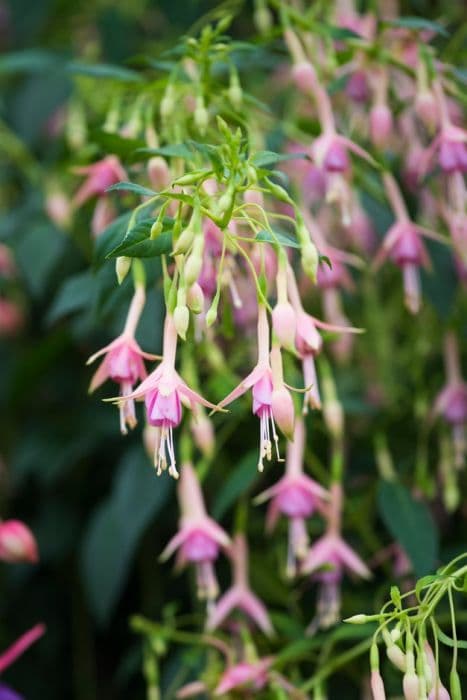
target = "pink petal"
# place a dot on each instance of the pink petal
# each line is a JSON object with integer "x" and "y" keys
{"x": 20, "y": 646}
{"x": 351, "y": 560}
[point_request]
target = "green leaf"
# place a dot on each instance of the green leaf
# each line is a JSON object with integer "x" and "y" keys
{"x": 121, "y": 146}
{"x": 28, "y": 61}
{"x": 38, "y": 252}
{"x": 277, "y": 238}
{"x": 138, "y": 244}
{"x": 75, "y": 294}
{"x": 236, "y": 484}
{"x": 175, "y": 150}
{"x": 422, "y": 583}
{"x": 410, "y": 522}
{"x": 419, "y": 24}
{"x": 116, "y": 528}
{"x": 265, "y": 159}
{"x": 323, "y": 259}
{"x": 104, "y": 71}
{"x": 131, "y": 187}
{"x": 339, "y": 33}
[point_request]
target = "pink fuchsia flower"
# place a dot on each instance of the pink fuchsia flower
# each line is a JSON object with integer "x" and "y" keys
{"x": 240, "y": 596}
{"x": 17, "y": 543}
{"x": 249, "y": 676}
{"x": 8, "y": 657}
{"x": 327, "y": 560}
{"x": 357, "y": 87}
{"x": 438, "y": 691}
{"x": 451, "y": 401}
{"x": 271, "y": 401}
{"x": 99, "y": 177}
{"x": 377, "y": 686}
{"x": 199, "y": 538}
{"x": 123, "y": 362}
{"x": 296, "y": 496}
{"x": 164, "y": 391}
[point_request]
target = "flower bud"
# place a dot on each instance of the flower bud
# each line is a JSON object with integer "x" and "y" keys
{"x": 304, "y": 76}
{"x": 195, "y": 298}
{"x": 156, "y": 229}
{"x": 455, "y": 685}
{"x": 263, "y": 19}
{"x": 158, "y": 172}
{"x": 17, "y": 543}
{"x": 122, "y": 267}
{"x": 181, "y": 317}
{"x": 167, "y": 105}
{"x": 58, "y": 208}
{"x": 377, "y": 686}
{"x": 426, "y": 109}
{"x": 194, "y": 263}
{"x": 235, "y": 92}
{"x": 411, "y": 686}
{"x": 211, "y": 315}
{"x": 283, "y": 411}
{"x": 380, "y": 125}
{"x": 310, "y": 259}
{"x": 184, "y": 241}
{"x": 284, "y": 323}
{"x": 397, "y": 657}
{"x": 203, "y": 433}
{"x": 359, "y": 619}
{"x": 201, "y": 115}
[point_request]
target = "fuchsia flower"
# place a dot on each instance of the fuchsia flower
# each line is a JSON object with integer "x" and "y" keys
{"x": 164, "y": 391}
{"x": 327, "y": 560}
{"x": 199, "y": 538}
{"x": 17, "y": 543}
{"x": 123, "y": 362}
{"x": 377, "y": 686}
{"x": 296, "y": 496}
{"x": 451, "y": 401}
{"x": 271, "y": 401}
{"x": 240, "y": 596}
{"x": 245, "y": 675}
{"x": 99, "y": 177}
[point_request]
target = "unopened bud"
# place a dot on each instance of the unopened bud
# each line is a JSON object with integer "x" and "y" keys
{"x": 279, "y": 192}
{"x": 184, "y": 241}
{"x": 304, "y": 76}
{"x": 235, "y": 92}
{"x": 411, "y": 686}
{"x": 195, "y": 298}
{"x": 283, "y": 411}
{"x": 211, "y": 315}
{"x": 194, "y": 263}
{"x": 158, "y": 172}
{"x": 284, "y": 323}
{"x": 17, "y": 543}
{"x": 426, "y": 109}
{"x": 377, "y": 686}
{"x": 310, "y": 259}
{"x": 380, "y": 125}
{"x": 224, "y": 203}
{"x": 359, "y": 619}
{"x": 122, "y": 267}
{"x": 181, "y": 316}
{"x": 203, "y": 433}
{"x": 168, "y": 103}
{"x": 263, "y": 19}
{"x": 455, "y": 685}
{"x": 397, "y": 657}
{"x": 201, "y": 115}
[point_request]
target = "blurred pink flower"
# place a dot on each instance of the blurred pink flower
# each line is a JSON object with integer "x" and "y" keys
{"x": 199, "y": 537}
{"x": 252, "y": 676}
{"x": 18, "y": 648}
{"x": 99, "y": 177}
{"x": 17, "y": 543}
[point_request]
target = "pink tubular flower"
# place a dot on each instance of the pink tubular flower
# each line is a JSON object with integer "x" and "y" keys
{"x": 8, "y": 657}
{"x": 123, "y": 362}
{"x": 240, "y": 596}
{"x": 333, "y": 552}
{"x": 164, "y": 391}
{"x": 296, "y": 496}
{"x": 265, "y": 384}
{"x": 451, "y": 401}
{"x": 17, "y": 543}
{"x": 251, "y": 676}
{"x": 377, "y": 686}
{"x": 100, "y": 176}
{"x": 199, "y": 538}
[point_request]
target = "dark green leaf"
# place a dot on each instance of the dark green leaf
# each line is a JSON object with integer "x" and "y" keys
{"x": 278, "y": 238}
{"x": 410, "y": 522}
{"x": 422, "y": 583}
{"x": 236, "y": 484}
{"x": 264, "y": 159}
{"x": 175, "y": 150}
{"x": 115, "y": 143}
{"x": 138, "y": 244}
{"x": 28, "y": 61}
{"x": 131, "y": 187}
{"x": 110, "y": 237}
{"x": 104, "y": 71}
{"x": 76, "y": 293}
{"x": 115, "y": 530}
{"x": 419, "y": 24}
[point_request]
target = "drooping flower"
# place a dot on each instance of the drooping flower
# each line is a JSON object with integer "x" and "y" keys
{"x": 245, "y": 675}
{"x": 451, "y": 401}
{"x": 164, "y": 391}
{"x": 123, "y": 362}
{"x": 99, "y": 177}
{"x": 271, "y": 401}
{"x": 296, "y": 496}
{"x": 327, "y": 560}
{"x": 17, "y": 543}
{"x": 199, "y": 538}
{"x": 240, "y": 596}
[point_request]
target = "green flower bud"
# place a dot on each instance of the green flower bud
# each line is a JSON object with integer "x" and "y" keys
{"x": 181, "y": 318}
{"x": 310, "y": 259}
{"x": 184, "y": 241}
{"x": 122, "y": 267}
{"x": 194, "y": 263}
{"x": 156, "y": 229}
{"x": 201, "y": 116}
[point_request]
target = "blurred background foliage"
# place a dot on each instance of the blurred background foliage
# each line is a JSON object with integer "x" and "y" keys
{"x": 100, "y": 517}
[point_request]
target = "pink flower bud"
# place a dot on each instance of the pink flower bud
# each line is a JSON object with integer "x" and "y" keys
{"x": 377, "y": 686}
{"x": 283, "y": 411}
{"x": 203, "y": 433}
{"x": 357, "y": 88}
{"x": 284, "y": 323}
{"x": 439, "y": 692}
{"x": 195, "y": 298}
{"x": 158, "y": 172}
{"x": 380, "y": 125}
{"x": 426, "y": 109}
{"x": 304, "y": 76}
{"x": 11, "y": 318}
{"x": 397, "y": 657}
{"x": 58, "y": 208}
{"x": 17, "y": 543}
{"x": 410, "y": 684}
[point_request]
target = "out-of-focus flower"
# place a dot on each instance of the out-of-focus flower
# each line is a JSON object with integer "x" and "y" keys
{"x": 240, "y": 596}
{"x": 17, "y": 543}
{"x": 8, "y": 657}
{"x": 250, "y": 676}
{"x": 199, "y": 538}
{"x": 11, "y": 318}
{"x": 99, "y": 177}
